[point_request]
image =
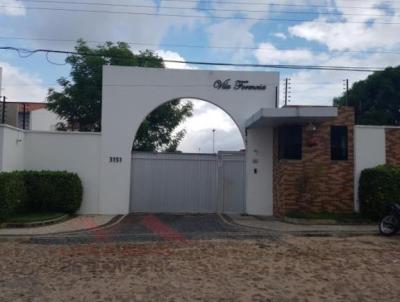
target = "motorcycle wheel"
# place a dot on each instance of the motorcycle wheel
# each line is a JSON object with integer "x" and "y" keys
{"x": 389, "y": 225}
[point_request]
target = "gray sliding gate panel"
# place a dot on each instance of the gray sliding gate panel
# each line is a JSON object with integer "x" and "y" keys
{"x": 232, "y": 180}
{"x": 175, "y": 183}
{"x": 187, "y": 183}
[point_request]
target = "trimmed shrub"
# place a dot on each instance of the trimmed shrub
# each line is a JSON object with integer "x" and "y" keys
{"x": 39, "y": 191}
{"x": 58, "y": 191}
{"x": 377, "y": 187}
{"x": 12, "y": 193}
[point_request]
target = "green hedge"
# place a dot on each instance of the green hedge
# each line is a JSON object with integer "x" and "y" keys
{"x": 12, "y": 193}
{"x": 378, "y": 186}
{"x": 39, "y": 191}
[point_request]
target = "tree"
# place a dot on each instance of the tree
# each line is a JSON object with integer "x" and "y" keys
{"x": 79, "y": 101}
{"x": 376, "y": 99}
{"x": 156, "y": 131}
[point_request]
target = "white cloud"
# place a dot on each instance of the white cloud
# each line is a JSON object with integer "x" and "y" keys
{"x": 267, "y": 53}
{"x": 201, "y": 141}
{"x": 357, "y": 29}
{"x": 171, "y": 55}
{"x": 345, "y": 36}
{"x": 280, "y": 36}
{"x": 318, "y": 87}
{"x": 18, "y": 85}
{"x": 206, "y": 117}
{"x": 232, "y": 33}
{"x": 12, "y": 8}
{"x": 105, "y": 27}
{"x": 238, "y": 33}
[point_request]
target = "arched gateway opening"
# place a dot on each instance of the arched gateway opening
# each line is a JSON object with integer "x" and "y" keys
{"x": 131, "y": 93}
{"x": 198, "y": 167}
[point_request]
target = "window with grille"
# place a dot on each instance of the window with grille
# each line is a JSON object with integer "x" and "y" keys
{"x": 339, "y": 145}
{"x": 21, "y": 122}
{"x": 290, "y": 142}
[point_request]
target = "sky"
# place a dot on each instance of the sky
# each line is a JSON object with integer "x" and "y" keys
{"x": 303, "y": 32}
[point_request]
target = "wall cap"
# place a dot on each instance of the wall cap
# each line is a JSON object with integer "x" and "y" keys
{"x": 48, "y": 132}
{"x": 377, "y": 126}
{"x": 11, "y": 127}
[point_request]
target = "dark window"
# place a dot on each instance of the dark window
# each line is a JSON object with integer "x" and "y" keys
{"x": 21, "y": 120}
{"x": 290, "y": 138}
{"x": 339, "y": 143}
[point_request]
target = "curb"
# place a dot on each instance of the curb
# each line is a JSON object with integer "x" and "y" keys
{"x": 35, "y": 223}
{"x": 305, "y": 221}
{"x": 23, "y": 237}
{"x": 310, "y": 221}
{"x": 113, "y": 221}
{"x": 311, "y": 233}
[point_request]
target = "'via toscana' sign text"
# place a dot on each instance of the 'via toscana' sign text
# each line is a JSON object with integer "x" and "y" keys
{"x": 237, "y": 85}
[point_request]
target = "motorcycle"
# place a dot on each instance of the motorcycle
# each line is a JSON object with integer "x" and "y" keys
{"x": 390, "y": 223}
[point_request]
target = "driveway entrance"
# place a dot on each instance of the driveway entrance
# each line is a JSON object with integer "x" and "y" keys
{"x": 188, "y": 183}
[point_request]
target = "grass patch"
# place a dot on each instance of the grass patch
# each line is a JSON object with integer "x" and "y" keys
{"x": 339, "y": 217}
{"x": 33, "y": 217}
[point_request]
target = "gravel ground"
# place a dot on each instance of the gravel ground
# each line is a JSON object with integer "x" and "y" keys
{"x": 281, "y": 269}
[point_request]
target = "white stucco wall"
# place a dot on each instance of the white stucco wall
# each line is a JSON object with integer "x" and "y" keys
{"x": 44, "y": 120}
{"x": 259, "y": 183}
{"x": 369, "y": 152}
{"x": 73, "y": 152}
{"x": 131, "y": 93}
{"x": 11, "y": 148}
{"x": 57, "y": 151}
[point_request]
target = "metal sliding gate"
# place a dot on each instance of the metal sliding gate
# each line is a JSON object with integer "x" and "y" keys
{"x": 188, "y": 183}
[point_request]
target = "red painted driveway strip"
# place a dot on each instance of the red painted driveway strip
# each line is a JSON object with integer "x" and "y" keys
{"x": 163, "y": 230}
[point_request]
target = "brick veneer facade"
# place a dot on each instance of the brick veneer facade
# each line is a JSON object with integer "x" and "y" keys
{"x": 316, "y": 183}
{"x": 393, "y": 146}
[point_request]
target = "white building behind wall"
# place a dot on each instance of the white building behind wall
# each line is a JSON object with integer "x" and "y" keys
{"x": 30, "y": 116}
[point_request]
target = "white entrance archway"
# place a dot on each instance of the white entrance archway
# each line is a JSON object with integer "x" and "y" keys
{"x": 131, "y": 93}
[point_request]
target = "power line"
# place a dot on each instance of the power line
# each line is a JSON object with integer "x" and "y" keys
{"x": 267, "y": 3}
{"x": 167, "y": 85}
{"x": 220, "y": 47}
{"x": 205, "y": 9}
{"x": 186, "y": 16}
{"x": 52, "y": 62}
{"x": 203, "y": 63}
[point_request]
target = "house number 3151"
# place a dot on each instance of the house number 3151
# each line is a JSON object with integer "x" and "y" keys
{"x": 115, "y": 159}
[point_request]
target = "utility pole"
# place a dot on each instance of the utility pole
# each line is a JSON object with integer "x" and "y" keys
{"x": 213, "y": 141}
{"x": 346, "y": 83}
{"x": 24, "y": 116}
{"x": 287, "y": 90}
{"x": 3, "y": 113}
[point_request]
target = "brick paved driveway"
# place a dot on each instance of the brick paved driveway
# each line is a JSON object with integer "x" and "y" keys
{"x": 159, "y": 227}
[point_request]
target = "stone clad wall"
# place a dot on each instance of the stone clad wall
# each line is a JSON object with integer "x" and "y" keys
{"x": 316, "y": 183}
{"x": 392, "y": 146}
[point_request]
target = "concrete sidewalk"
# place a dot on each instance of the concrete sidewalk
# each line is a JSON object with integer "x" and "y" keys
{"x": 81, "y": 222}
{"x": 274, "y": 225}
